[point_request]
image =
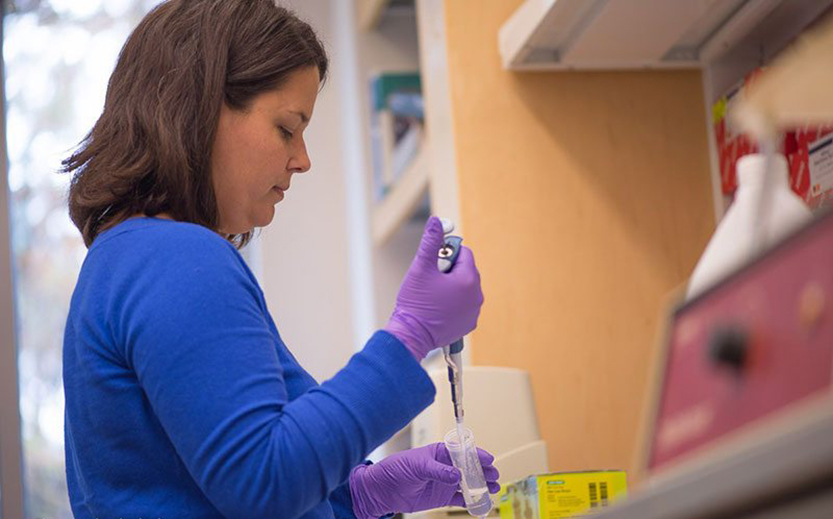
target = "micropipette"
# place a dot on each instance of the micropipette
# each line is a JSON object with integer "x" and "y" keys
{"x": 463, "y": 451}
{"x": 446, "y": 258}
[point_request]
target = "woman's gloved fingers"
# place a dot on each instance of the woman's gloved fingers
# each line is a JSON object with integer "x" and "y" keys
{"x": 484, "y": 457}
{"x": 434, "y": 309}
{"x": 432, "y": 240}
{"x": 466, "y": 267}
{"x": 491, "y": 473}
{"x": 441, "y": 453}
{"x": 457, "y": 500}
{"x": 465, "y": 263}
{"x": 441, "y": 472}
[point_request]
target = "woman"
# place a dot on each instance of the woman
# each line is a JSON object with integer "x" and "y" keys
{"x": 181, "y": 398}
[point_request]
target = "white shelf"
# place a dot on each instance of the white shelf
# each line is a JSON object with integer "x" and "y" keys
{"x": 753, "y": 37}
{"x": 726, "y": 39}
{"x": 628, "y": 34}
{"x": 402, "y": 200}
{"x": 370, "y": 12}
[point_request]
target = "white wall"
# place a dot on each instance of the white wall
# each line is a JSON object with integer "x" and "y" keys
{"x": 303, "y": 263}
{"x": 327, "y": 287}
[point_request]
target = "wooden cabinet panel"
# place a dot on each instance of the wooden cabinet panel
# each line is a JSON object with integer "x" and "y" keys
{"x": 587, "y": 198}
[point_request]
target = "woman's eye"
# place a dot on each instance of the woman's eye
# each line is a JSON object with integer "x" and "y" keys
{"x": 286, "y": 133}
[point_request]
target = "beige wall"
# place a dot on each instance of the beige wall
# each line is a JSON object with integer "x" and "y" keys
{"x": 586, "y": 198}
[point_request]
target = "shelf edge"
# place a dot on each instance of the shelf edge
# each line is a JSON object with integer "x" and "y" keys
{"x": 392, "y": 211}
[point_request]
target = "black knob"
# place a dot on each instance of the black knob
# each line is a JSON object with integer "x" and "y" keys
{"x": 729, "y": 346}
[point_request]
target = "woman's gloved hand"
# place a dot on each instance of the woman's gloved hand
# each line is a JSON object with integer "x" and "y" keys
{"x": 411, "y": 481}
{"x": 434, "y": 309}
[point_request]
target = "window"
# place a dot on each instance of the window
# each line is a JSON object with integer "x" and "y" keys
{"x": 58, "y": 56}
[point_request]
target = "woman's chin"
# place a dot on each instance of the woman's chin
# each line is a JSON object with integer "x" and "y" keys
{"x": 265, "y": 218}
{"x": 258, "y": 220}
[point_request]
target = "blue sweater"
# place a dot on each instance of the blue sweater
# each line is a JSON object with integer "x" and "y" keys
{"x": 182, "y": 400}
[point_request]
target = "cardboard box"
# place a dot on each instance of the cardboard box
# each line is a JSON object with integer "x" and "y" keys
{"x": 561, "y": 494}
{"x": 807, "y": 151}
{"x": 811, "y": 166}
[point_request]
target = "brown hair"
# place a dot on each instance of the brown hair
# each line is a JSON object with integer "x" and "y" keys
{"x": 150, "y": 150}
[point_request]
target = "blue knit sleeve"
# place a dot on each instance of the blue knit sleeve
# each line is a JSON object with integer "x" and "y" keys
{"x": 195, "y": 332}
{"x": 342, "y": 503}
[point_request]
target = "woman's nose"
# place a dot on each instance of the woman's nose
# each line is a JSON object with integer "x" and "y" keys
{"x": 301, "y": 162}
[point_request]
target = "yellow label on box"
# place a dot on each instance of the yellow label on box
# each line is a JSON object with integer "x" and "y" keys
{"x": 563, "y": 494}
{"x": 504, "y": 503}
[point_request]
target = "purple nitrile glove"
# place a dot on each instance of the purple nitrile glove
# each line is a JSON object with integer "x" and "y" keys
{"x": 412, "y": 481}
{"x": 434, "y": 309}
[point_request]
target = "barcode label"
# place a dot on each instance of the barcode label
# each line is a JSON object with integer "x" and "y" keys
{"x": 598, "y": 494}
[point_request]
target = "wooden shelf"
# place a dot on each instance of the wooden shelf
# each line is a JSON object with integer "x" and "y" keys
{"x": 401, "y": 201}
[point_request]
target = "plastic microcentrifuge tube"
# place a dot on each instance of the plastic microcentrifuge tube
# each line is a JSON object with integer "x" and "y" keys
{"x": 473, "y": 484}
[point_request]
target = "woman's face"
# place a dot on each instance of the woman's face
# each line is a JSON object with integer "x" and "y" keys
{"x": 257, "y": 151}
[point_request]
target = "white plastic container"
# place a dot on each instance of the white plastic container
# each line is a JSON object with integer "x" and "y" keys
{"x": 473, "y": 484}
{"x": 734, "y": 240}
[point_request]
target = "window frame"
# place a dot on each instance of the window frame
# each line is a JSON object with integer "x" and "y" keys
{"x": 11, "y": 468}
